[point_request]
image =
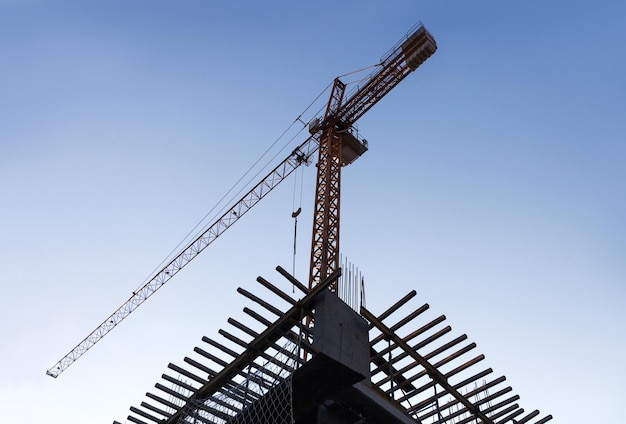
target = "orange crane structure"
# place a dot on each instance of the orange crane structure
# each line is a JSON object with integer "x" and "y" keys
{"x": 333, "y": 135}
{"x": 339, "y": 146}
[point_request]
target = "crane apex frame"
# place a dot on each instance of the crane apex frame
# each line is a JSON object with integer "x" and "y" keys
{"x": 334, "y": 136}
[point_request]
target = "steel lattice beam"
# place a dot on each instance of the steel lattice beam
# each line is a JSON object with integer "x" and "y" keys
{"x": 299, "y": 156}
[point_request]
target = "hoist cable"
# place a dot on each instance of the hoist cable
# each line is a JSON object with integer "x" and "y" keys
{"x": 361, "y": 70}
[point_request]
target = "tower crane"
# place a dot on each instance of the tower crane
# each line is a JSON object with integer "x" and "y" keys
{"x": 338, "y": 144}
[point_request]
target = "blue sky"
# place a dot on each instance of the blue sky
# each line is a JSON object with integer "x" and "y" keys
{"x": 494, "y": 184}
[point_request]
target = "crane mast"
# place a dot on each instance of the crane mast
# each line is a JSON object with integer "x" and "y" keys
{"x": 336, "y": 134}
{"x": 325, "y": 240}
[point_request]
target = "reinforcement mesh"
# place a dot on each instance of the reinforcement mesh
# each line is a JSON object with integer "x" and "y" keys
{"x": 264, "y": 396}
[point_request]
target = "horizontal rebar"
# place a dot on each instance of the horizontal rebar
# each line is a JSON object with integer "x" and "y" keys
{"x": 145, "y": 414}
{"x": 304, "y": 289}
{"x": 186, "y": 373}
{"x": 276, "y": 290}
{"x": 220, "y": 346}
{"x": 395, "y": 306}
{"x": 162, "y": 401}
{"x": 402, "y": 323}
{"x": 155, "y": 409}
{"x": 179, "y": 383}
{"x": 260, "y": 301}
{"x": 135, "y": 420}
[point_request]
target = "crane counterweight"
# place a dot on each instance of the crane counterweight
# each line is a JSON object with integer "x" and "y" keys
{"x": 418, "y": 47}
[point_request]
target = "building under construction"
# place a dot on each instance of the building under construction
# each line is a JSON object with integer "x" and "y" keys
{"x": 324, "y": 357}
{"x": 352, "y": 366}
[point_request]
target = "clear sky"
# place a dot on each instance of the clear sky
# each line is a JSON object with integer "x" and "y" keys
{"x": 494, "y": 184}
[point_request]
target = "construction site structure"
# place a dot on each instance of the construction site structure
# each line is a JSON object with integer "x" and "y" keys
{"x": 403, "y": 365}
{"x": 314, "y": 357}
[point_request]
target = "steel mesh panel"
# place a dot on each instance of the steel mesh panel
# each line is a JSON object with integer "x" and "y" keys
{"x": 266, "y": 396}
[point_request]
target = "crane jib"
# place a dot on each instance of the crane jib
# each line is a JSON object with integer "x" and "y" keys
{"x": 300, "y": 155}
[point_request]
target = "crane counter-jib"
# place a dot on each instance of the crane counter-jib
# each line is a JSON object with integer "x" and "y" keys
{"x": 404, "y": 58}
